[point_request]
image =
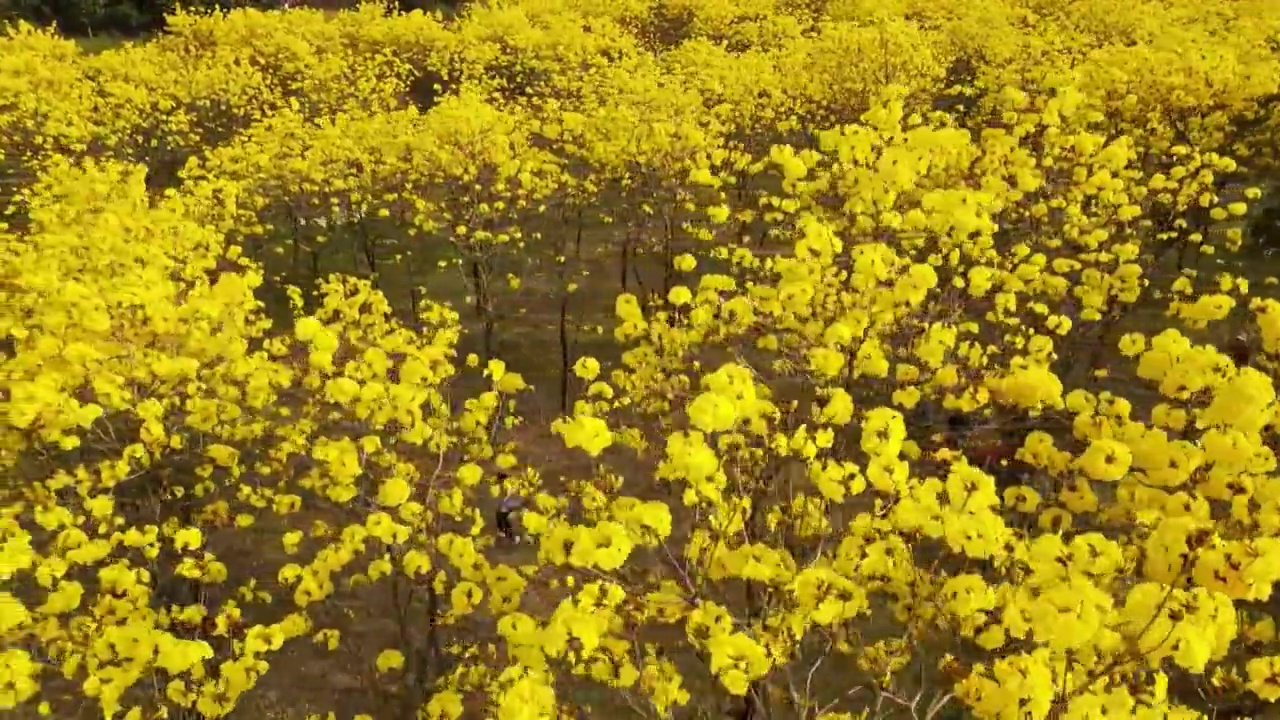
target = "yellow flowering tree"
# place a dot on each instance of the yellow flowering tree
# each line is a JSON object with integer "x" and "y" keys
{"x": 129, "y": 472}
{"x": 979, "y": 415}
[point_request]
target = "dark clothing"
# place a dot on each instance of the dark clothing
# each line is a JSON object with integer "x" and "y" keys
{"x": 504, "y": 525}
{"x": 506, "y": 509}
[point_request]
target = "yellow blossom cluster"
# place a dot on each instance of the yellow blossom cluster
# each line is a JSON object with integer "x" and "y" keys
{"x": 953, "y": 392}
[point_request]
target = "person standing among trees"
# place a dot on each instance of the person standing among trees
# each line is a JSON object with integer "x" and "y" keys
{"x": 508, "y": 511}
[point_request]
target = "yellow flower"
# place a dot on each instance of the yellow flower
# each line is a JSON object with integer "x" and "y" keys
{"x": 1132, "y": 344}
{"x": 680, "y": 296}
{"x": 444, "y": 705}
{"x": 826, "y": 362}
{"x": 587, "y": 368}
{"x": 591, "y": 434}
{"x": 1106, "y": 460}
{"x": 711, "y": 412}
{"x": 1264, "y": 677}
{"x": 12, "y": 613}
{"x": 307, "y": 328}
{"x": 389, "y": 660}
{"x": 394, "y": 492}
{"x": 1021, "y": 499}
{"x": 188, "y": 539}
